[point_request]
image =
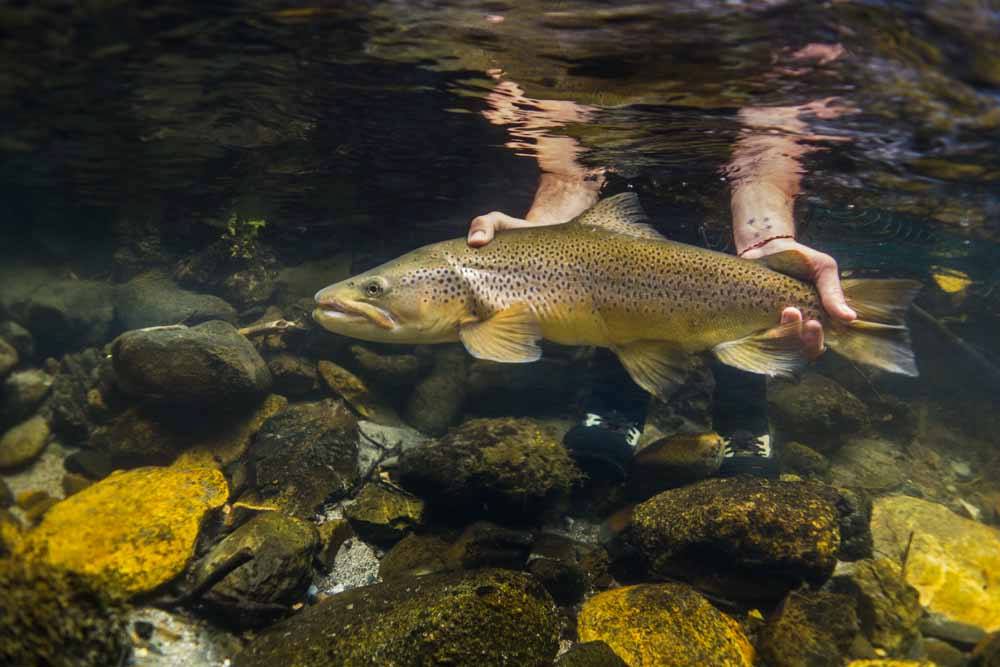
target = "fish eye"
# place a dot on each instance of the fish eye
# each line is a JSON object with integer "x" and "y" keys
{"x": 373, "y": 288}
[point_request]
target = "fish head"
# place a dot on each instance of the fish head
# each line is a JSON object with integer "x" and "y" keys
{"x": 412, "y": 299}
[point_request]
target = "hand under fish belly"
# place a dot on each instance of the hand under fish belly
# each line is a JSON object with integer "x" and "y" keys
{"x": 608, "y": 279}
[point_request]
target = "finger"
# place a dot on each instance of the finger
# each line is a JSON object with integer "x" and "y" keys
{"x": 791, "y": 315}
{"x": 482, "y": 230}
{"x": 832, "y": 294}
{"x": 812, "y": 339}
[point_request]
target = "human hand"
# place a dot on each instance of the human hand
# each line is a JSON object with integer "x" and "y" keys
{"x": 826, "y": 276}
{"x": 483, "y": 228}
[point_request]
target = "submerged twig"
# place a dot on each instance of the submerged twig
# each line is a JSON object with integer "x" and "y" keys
{"x": 906, "y": 554}
{"x": 972, "y": 353}
{"x": 274, "y": 326}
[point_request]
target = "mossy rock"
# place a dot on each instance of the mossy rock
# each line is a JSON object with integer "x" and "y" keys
{"x": 278, "y": 550}
{"x": 133, "y": 531}
{"x": 590, "y": 654}
{"x": 349, "y": 387}
{"x": 50, "y": 616}
{"x": 803, "y": 460}
{"x": 888, "y": 608}
{"x": 488, "y": 617}
{"x": 384, "y": 515}
{"x": 674, "y": 461}
{"x": 416, "y": 556}
{"x": 816, "y": 410}
{"x": 497, "y": 468}
{"x": 664, "y": 625}
{"x": 747, "y": 537}
{"x": 436, "y": 402}
{"x": 809, "y": 628}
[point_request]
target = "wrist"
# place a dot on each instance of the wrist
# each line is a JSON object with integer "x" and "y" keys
{"x": 767, "y": 246}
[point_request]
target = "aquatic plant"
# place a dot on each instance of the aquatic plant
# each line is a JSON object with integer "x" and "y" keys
{"x": 242, "y": 236}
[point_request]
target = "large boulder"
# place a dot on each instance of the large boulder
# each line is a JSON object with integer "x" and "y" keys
{"x": 50, "y": 616}
{"x": 132, "y": 531}
{"x": 278, "y": 550}
{"x": 744, "y": 537}
{"x": 663, "y": 625}
{"x": 153, "y": 299}
{"x": 303, "y": 456}
{"x": 809, "y": 628}
{"x": 816, "y": 411}
{"x": 498, "y": 468}
{"x": 488, "y": 617}
{"x": 953, "y": 562}
{"x": 210, "y": 364}
{"x": 66, "y": 314}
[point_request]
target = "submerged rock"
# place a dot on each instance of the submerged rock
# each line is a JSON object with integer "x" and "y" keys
{"x": 489, "y": 617}
{"x": 502, "y": 468}
{"x": 50, "y": 616}
{"x": 278, "y": 550}
{"x": 21, "y": 394}
{"x": 153, "y": 299}
{"x": 415, "y": 556}
{"x": 567, "y": 568}
{"x": 888, "y": 608}
{"x": 207, "y": 365}
{"x": 9, "y": 358}
{"x": 394, "y": 370}
{"x": 809, "y": 628}
{"x": 305, "y": 455}
{"x": 816, "y": 411}
{"x": 73, "y": 413}
{"x": 349, "y": 387}
{"x": 384, "y": 515}
{"x": 803, "y": 460}
{"x": 133, "y": 531}
{"x": 953, "y": 562}
{"x": 740, "y": 536}
{"x": 663, "y": 625}
{"x": 674, "y": 461}
{"x": 23, "y": 443}
{"x": 590, "y": 654}
{"x": 293, "y": 376}
{"x": 436, "y": 402}
{"x": 872, "y": 464}
{"x": 19, "y": 338}
{"x": 67, "y": 314}
{"x": 485, "y": 544}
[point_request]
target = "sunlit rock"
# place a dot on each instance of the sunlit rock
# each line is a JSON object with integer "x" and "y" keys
{"x": 663, "y": 625}
{"x": 384, "y": 515}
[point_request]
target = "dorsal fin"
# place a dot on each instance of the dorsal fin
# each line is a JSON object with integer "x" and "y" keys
{"x": 620, "y": 214}
{"x": 792, "y": 263}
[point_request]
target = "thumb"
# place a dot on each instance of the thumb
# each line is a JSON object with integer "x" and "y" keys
{"x": 832, "y": 294}
{"x": 481, "y": 231}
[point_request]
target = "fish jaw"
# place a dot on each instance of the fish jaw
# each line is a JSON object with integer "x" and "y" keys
{"x": 341, "y": 314}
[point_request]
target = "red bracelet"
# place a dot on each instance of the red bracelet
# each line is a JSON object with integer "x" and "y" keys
{"x": 761, "y": 244}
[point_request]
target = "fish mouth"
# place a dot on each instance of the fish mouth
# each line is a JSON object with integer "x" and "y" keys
{"x": 343, "y": 310}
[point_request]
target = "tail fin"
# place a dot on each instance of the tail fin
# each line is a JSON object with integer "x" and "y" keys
{"x": 879, "y": 336}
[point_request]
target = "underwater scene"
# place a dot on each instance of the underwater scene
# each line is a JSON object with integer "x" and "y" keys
{"x": 576, "y": 333}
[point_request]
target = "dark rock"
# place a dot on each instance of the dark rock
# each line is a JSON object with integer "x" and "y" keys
{"x": 590, "y": 654}
{"x": 987, "y": 652}
{"x": 567, "y": 569}
{"x": 802, "y": 460}
{"x": 937, "y": 625}
{"x": 52, "y": 617}
{"x": 10, "y": 534}
{"x": 384, "y": 515}
{"x": 91, "y": 464}
{"x": 416, "y": 556}
{"x": 436, "y": 402}
{"x": 942, "y": 654}
{"x": 664, "y": 624}
{"x": 251, "y": 286}
{"x": 152, "y": 299}
{"x": 35, "y": 504}
{"x": 19, "y": 338}
{"x": 394, "y": 370}
{"x": 67, "y": 314}
{"x": 740, "y": 537}
{"x": 6, "y": 496}
{"x": 74, "y": 483}
{"x": 144, "y": 629}
{"x": 137, "y": 437}
{"x": 544, "y": 387}
{"x": 350, "y": 388}
{"x": 73, "y": 416}
{"x": 207, "y": 365}
{"x": 816, "y": 411}
{"x": 489, "y": 617}
{"x": 855, "y": 511}
{"x": 888, "y": 608}
{"x": 484, "y": 544}
{"x": 871, "y": 464}
{"x": 305, "y": 455}
{"x": 494, "y": 468}
{"x": 293, "y": 376}
{"x": 246, "y": 276}
{"x": 21, "y": 394}
{"x": 809, "y": 628}
{"x": 9, "y": 358}
{"x": 23, "y": 443}
{"x": 674, "y": 461}
{"x": 276, "y": 551}
{"x": 332, "y": 534}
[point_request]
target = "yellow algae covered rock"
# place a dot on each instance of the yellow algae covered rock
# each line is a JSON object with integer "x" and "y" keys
{"x": 133, "y": 530}
{"x": 954, "y": 563}
{"x": 886, "y": 662}
{"x": 348, "y": 386}
{"x": 663, "y": 625}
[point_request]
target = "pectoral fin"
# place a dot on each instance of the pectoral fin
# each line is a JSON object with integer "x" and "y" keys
{"x": 656, "y": 367}
{"x": 777, "y": 351}
{"x": 792, "y": 263}
{"x": 508, "y": 336}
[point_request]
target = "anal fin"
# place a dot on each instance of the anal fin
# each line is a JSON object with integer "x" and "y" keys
{"x": 509, "y": 336}
{"x": 773, "y": 352}
{"x": 655, "y": 366}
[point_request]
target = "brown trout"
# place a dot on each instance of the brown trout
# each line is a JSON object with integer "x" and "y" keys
{"x": 608, "y": 279}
